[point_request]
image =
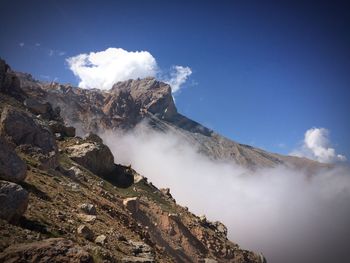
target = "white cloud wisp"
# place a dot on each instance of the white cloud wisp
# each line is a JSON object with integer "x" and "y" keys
{"x": 178, "y": 77}
{"x": 317, "y": 146}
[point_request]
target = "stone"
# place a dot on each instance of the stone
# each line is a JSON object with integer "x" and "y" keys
{"x": 132, "y": 204}
{"x": 220, "y": 227}
{"x": 203, "y": 219}
{"x": 142, "y": 251}
{"x": 21, "y": 128}
{"x": 60, "y": 128}
{"x": 89, "y": 209}
{"x": 36, "y": 107}
{"x": 130, "y": 259}
{"x": 87, "y": 218}
{"x": 10, "y": 83}
{"x": 101, "y": 240}
{"x": 85, "y": 232}
{"x": 166, "y": 192}
{"x": 53, "y": 250}
{"x": 12, "y": 167}
{"x": 13, "y": 201}
{"x": 93, "y": 155}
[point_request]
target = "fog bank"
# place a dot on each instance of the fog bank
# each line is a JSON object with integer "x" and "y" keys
{"x": 286, "y": 215}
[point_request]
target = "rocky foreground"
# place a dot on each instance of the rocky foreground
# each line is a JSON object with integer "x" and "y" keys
{"x": 63, "y": 199}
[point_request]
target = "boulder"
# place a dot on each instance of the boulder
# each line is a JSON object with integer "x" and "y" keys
{"x": 166, "y": 192}
{"x": 89, "y": 209}
{"x": 85, "y": 232}
{"x": 21, "y": 128}
{"x": 132, "y": 204}
{"x": 13, "y": 201}
{"x": 101, "y": 240}
{"x": 93, "y": 155}
{"x": 87, "y": 218}
{"x": 9, "y": 82}
{"x": 59, "y": 127}
{"x": 12, "y": 168}
{"x": 142, "y": 252}
{"x": 54, "y": 250}
{"x": 220, "y": 227}
{"x": 36, "y": 107}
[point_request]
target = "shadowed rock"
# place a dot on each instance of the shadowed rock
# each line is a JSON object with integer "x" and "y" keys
{"x": 12, "y": 168}
{"x": 13, "y": 201}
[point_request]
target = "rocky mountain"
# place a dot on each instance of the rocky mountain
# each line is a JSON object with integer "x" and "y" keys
{"x": 62, "y": 197}
{"x": 149, "y": 100}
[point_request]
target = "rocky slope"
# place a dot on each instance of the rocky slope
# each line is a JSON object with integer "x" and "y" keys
{"x": 62, "y": 197}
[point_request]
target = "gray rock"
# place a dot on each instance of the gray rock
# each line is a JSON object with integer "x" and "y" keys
{"x": 13, "y": 201}
{"x": 23, "y": 129}
{"x": 59, "y": 127}
{"x": 9, "y": 82}
{"x": 12, "y": 167}
{"x": 89, "y": 209}
{"x": 132, "y": 204}
{"x": 101, "y": 240}
{"x": 36, "y": 107}
{"x": 85, "y": 232}
{"x": 129, "y": 259}
{"x": 93, "y": 155}
{"x": 220, "y": 227}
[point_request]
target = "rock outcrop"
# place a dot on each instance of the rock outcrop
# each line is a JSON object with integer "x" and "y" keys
{"x": 85, "y": 232}
{"x": 22, "y": 128}
{"x": 89, "y": 209}
{"x": 55, "y": 250}
{"x": 13, "y": 201}
{"x": 132, "y": 204}
{"x": 92, "y": 154}
{"x": 12, "y": 167}
{"x": 9, "y": 82}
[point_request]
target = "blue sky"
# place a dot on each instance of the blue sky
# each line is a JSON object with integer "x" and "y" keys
{"x": 263, "y": 72}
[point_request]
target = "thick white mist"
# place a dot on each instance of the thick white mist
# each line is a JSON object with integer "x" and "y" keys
{"x": 288, "y": 216}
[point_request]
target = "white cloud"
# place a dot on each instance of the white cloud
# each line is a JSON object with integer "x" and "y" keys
{"x": 286, "y": 214}
{"x": 102, "y": 69}
{"x": 317, "y": 146}
{"x": 179, "y": 75}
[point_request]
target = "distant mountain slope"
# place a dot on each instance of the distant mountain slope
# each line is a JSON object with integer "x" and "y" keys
{"x": 130, "y": 102}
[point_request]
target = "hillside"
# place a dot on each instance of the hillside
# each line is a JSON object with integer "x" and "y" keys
{"x": 63, "y": 199}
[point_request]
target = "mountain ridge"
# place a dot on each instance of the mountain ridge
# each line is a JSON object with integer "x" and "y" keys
{"x": 129, "y": 102}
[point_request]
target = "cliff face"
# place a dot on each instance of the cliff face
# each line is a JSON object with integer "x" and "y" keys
{"x": 63, "y": 199}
